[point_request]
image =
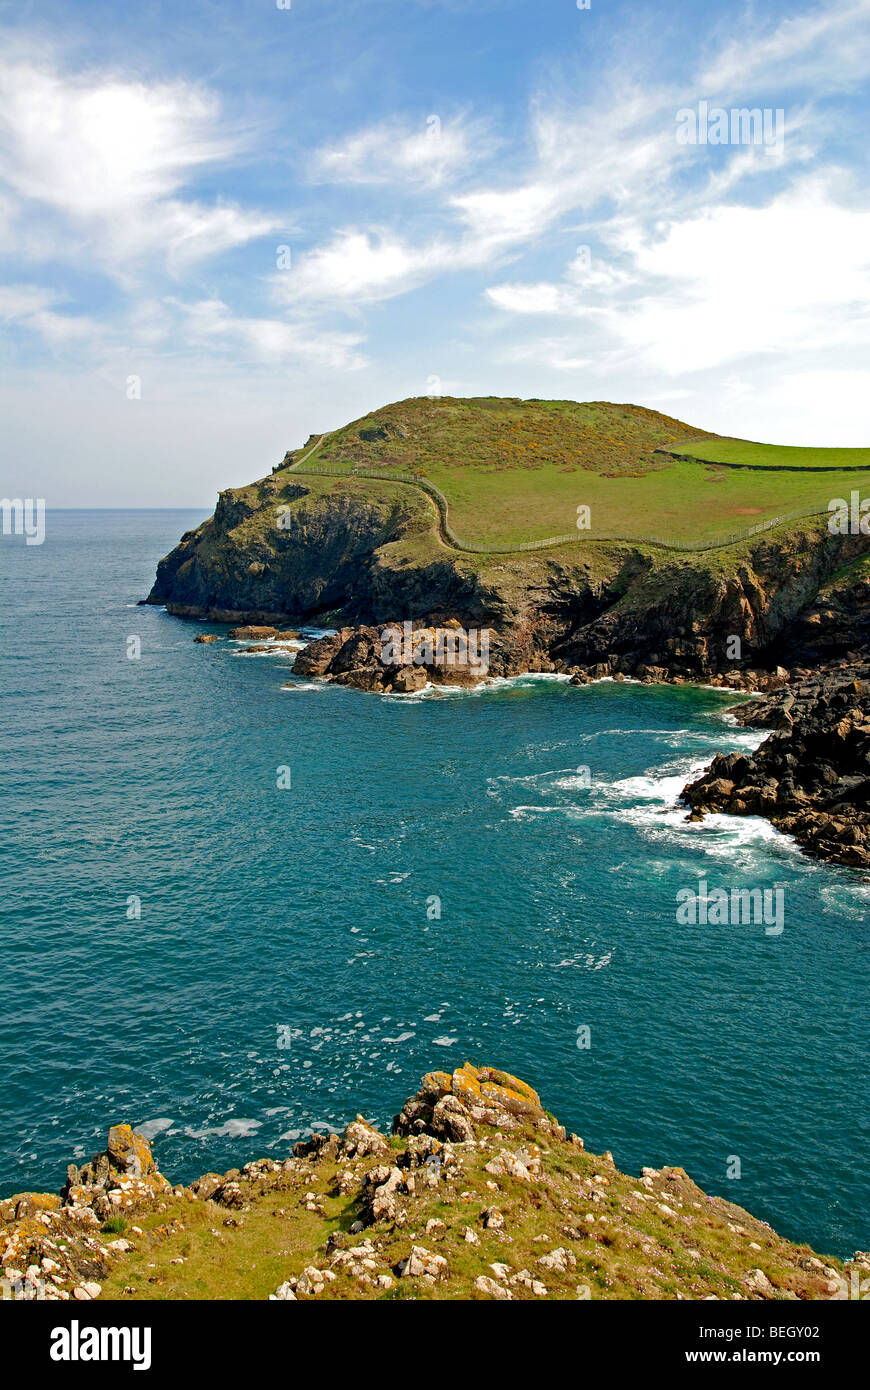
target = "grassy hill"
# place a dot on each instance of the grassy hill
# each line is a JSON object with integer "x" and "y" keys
{"x": 516, "y": 471}
{"x": 497, "y": 435}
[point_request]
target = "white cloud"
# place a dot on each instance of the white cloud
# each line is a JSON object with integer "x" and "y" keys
{"x": 389, "y": 153}
{"x": 33, "y": 307}
{"x": 722, "y": 282}
{"x": 109, "y": 156}
{"x": 556, "y": 354}
{"x": 735, "y": 281}
{"x": 361, "y": 267}
{"x": 543, "y": 298}
{"x": 828, "y": 45}
{"x": 821, "y": 407}
{"x": 270, "y": 341}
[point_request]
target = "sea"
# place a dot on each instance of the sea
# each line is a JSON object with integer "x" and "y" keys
{"x": 240, "y": 906}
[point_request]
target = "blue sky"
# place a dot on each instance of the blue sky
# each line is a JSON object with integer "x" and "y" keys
{"x": 481, "y": 197}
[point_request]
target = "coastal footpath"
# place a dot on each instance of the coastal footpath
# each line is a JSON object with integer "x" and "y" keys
{"x": 477, "y": 1194}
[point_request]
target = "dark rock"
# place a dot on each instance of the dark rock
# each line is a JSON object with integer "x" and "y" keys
{"x": 252, "y": 633}
{"x": 809, "y": 776}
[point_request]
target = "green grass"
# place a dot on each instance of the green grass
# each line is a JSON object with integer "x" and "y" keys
{"x": 750, "y": 454}
{"x": 686, "y": 502}
{"x": 199, "y": 1250}
{"x": 516, "y": 471}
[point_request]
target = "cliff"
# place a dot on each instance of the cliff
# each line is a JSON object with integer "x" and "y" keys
{"x": 363, "y": 549}
{"x": 478, "y": 1194}
{"x": 351, "y": 532}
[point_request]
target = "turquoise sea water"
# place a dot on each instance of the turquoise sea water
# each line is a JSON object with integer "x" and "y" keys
{"x": 307, "y": 912}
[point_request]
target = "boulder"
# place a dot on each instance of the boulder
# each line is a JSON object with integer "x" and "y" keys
{"x": 408, "y": 679}
{"x": 252, "y": 633}
{"x": 422, "y": 1263}
{"x": 449, "y": 1106}
{"x": 129, "y": 1152}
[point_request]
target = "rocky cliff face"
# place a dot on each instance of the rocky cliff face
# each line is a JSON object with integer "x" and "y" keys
{"x": 240, "y": 564}
{"x": 369, "y": 559}
{"x": 479, "y": 1194}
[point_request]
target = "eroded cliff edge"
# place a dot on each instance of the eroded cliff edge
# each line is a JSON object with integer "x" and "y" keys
{"x": 478, "y": 1194}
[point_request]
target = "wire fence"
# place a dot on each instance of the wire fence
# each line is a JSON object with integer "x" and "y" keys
{"x": 718, "y": 542}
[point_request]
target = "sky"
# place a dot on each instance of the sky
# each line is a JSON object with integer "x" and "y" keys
{"x": 226, "y": 226}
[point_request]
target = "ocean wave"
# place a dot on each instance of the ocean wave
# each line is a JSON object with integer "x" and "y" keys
{"x": 846, "y": 899}
{"x": 491, "y": 685}
{"x": 650, "y": 803}
{"x": 524, "y": 812}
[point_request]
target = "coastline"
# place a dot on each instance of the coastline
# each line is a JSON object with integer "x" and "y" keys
{"x": 784, "y": 701}
{"x": 478, "y": 1194}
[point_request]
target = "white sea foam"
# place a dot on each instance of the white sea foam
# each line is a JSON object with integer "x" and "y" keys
{"x": 650, "y": 803}
{"x": 846, "y": 899}
{"x": 585, "y": 961}
{"x": 489, "y": 686}
{"x": 525, "y": 812}
{"x": 151, "y": 1128}
{"x": 230, "y": 1129}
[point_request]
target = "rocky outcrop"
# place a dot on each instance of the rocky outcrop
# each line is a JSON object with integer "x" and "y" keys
{"x": 376, "y": 660}
{"x": 449, "y": 1106}
{"x": 478, "y": 1194}
{"x": 242, "y": 566}
{"x": 811, "y": 776}
{"x": 119, "y": 1178}
{"x": 49, "y": 1243}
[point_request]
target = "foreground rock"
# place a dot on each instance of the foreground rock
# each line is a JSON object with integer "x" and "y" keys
{"x": 478, "y": 1194}
{"x": 811, "y": 776}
